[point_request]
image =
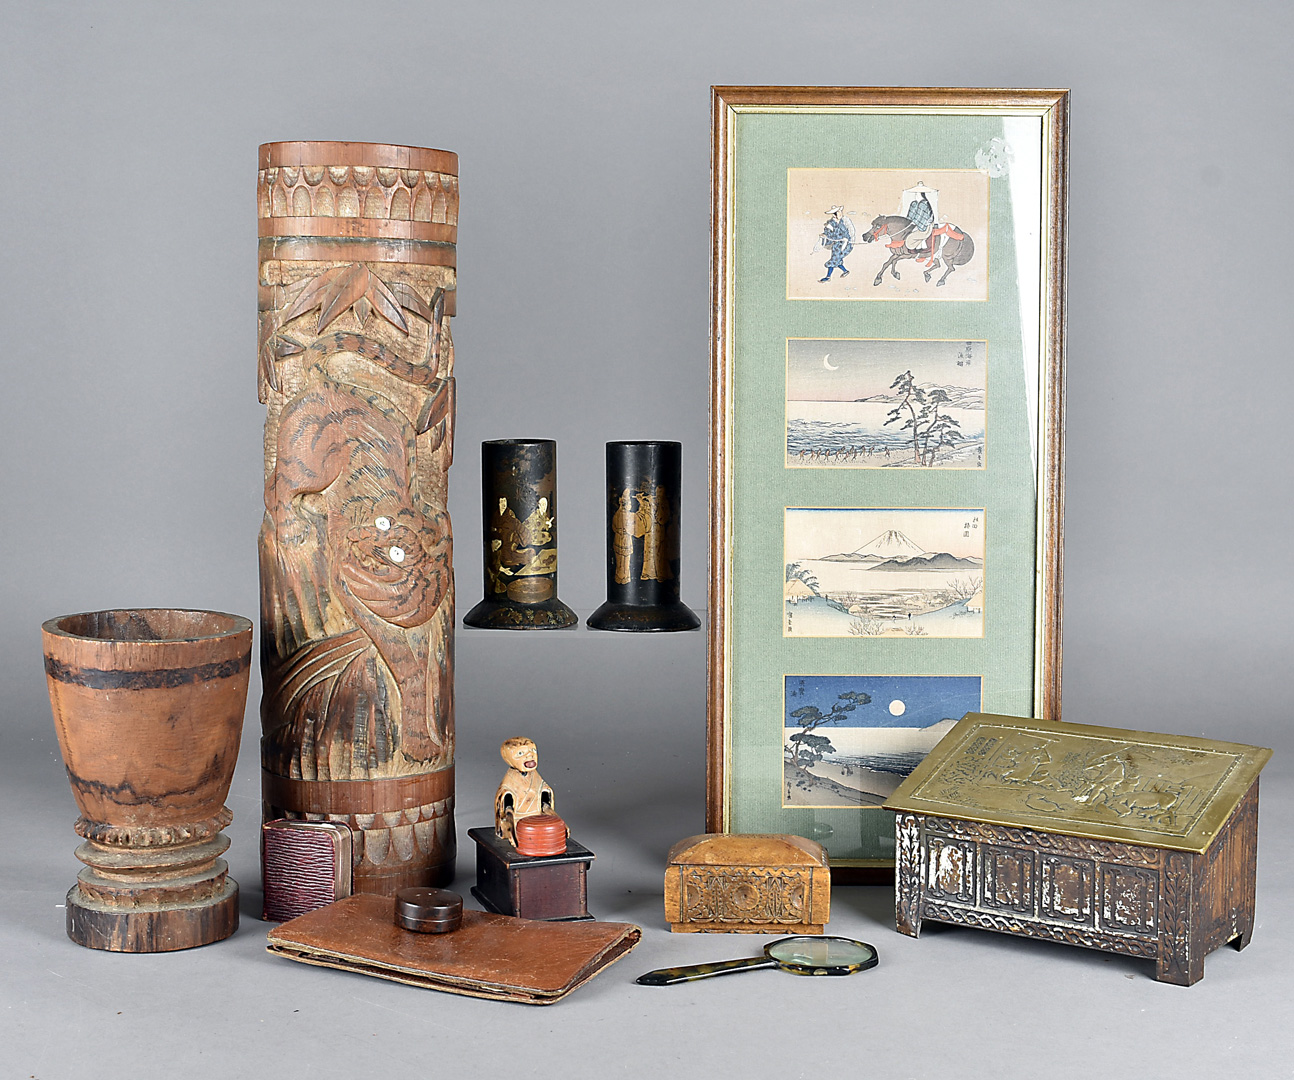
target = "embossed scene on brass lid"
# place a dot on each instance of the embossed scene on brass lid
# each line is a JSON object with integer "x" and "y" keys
{"x": 1102, "y": 783}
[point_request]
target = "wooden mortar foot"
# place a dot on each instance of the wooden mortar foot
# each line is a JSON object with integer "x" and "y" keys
{"x": 152, "y": 899}
{"x": 160, "y": 926}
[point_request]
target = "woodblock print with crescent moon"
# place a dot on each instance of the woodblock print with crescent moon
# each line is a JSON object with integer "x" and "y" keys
{"x": 881, "y": 403}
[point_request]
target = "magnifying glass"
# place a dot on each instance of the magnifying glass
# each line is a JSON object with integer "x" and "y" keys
{"x": 800, "y": 955}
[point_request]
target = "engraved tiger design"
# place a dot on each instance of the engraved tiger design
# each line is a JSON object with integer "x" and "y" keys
{"x": 344, "y": 482}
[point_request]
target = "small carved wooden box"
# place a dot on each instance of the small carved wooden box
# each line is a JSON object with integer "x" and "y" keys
{"x": 718, "y": 883}
{"x": 1123, "y": 841}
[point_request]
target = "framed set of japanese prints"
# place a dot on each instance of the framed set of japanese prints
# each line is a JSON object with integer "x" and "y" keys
{"x": 886, "y": 438}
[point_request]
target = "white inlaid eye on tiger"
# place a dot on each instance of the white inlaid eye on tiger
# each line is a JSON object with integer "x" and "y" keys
{"x": 383, "y": 524}
{"x": 397, "y": 554}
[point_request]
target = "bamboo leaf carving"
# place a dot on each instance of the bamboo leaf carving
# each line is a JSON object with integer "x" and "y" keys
{"x": 314, "y": 292}
{"x": 437, "y": 407}
{"x": 342, "y": 288}
{"x": 349, "y": 286}
{"x": 408, "y": 298}
{"x": 267, "y": 375}
{"x": 385, "y": 302}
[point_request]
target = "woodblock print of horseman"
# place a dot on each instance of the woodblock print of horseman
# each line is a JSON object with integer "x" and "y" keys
{"x": 946, "y": 245}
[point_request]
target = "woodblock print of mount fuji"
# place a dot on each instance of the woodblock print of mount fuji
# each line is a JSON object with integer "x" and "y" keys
{"x": 884, "y": 573}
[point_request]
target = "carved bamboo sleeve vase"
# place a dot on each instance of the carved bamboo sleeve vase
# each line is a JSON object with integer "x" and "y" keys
{"x": 357, "y": 286}
{"x": 148, "y": 705}
{"x": 644, "y": 485}
{"x": 519, "y": 529}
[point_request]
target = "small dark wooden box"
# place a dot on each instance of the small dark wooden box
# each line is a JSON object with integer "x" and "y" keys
{"x": 1123, "y": 841}
{"x": 552, "y": 888}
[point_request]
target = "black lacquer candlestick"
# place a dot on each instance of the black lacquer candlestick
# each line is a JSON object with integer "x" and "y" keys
{"x": 519, "y": 505}
{"x": 644, "y": 480}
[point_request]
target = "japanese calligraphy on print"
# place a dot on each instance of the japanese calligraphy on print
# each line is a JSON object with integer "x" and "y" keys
{"x": 883, "y": 573}
{"x": 885, "y": 404}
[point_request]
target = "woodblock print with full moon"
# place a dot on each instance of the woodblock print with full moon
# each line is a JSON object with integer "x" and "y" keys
{"x": 850, "y": 740}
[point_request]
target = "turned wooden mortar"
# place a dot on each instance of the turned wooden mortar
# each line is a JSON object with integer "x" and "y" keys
{"x": 149, "y": 709}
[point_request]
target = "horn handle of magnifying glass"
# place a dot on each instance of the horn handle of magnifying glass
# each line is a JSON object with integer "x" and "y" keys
{"x": 667, "y": 976}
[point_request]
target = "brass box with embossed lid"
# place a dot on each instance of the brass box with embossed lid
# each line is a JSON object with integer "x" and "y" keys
{"x": 721, "y": 883}
{"x": 1123, "y": 841}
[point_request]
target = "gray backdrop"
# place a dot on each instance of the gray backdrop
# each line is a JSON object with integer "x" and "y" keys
{"x": 132, "y": 451}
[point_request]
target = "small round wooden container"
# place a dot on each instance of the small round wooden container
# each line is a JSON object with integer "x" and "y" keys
{"x": 541, "y": 834}
{"x": 428, "y": 911}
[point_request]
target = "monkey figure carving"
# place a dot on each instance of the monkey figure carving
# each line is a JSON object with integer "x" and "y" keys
{"x": 522, "y": 793}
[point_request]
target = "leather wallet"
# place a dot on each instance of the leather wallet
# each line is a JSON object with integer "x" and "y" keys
{"x": 489, "y": 956}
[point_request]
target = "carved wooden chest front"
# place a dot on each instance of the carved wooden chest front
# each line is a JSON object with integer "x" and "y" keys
{"x": 755, "y": 884}
{"x": 1127, "y": 842}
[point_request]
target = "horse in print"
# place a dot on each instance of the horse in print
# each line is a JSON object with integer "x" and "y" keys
{"x": 947, "y": 246}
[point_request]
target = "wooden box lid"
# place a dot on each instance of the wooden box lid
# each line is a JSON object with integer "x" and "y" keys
{"x": 755, "y": 849}
{"x": 1165, "y": 791}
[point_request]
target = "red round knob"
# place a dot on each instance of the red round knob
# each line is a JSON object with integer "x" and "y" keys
{"x": 541, "y": 834}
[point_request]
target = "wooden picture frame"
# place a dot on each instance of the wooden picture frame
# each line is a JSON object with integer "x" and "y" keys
{"x": 958, "y": 498}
